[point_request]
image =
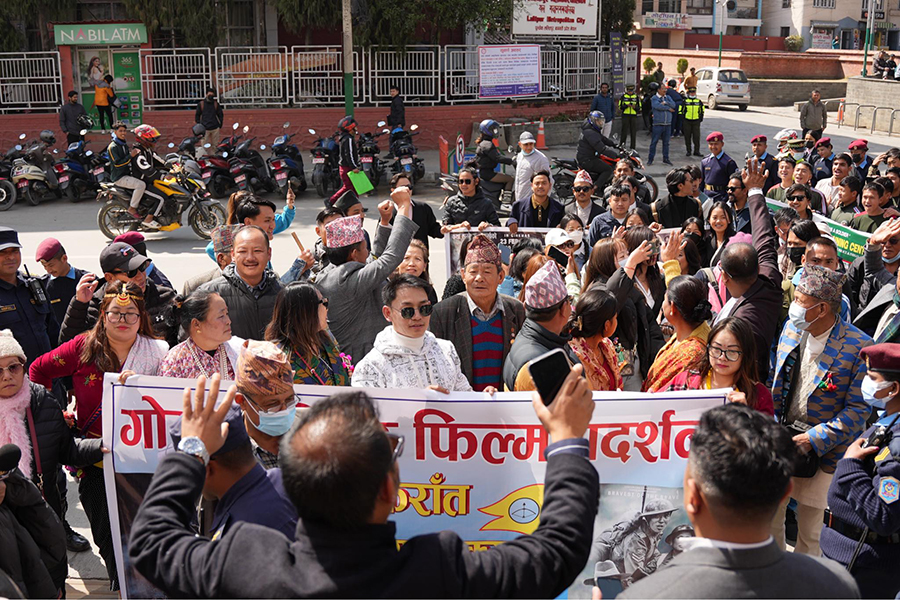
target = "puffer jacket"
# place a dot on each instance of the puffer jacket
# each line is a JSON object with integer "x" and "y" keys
{"x": 474, "y": 209}
{"x": 390, "y": 365}
{"x": 32, "y": 539}
{"x": 56, "y": 444}
{"x": 159, "y": 301}
{"x": 592, "y": 144}
{"x": 249, "y": 314}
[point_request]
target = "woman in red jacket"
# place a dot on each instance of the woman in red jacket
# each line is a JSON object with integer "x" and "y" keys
{"x": 122, "y": 340}
{"x": 729, "y": 362}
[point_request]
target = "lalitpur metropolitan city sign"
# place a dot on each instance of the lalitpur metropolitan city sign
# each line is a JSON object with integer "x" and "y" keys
{"x": 74, "y": 34}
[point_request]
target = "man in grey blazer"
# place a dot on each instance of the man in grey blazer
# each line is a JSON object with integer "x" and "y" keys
{"x": 480, "y": 322}
{"x": 738, "y": 473}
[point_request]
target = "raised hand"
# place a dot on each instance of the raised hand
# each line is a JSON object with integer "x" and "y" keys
{"x": 202, "y": 419}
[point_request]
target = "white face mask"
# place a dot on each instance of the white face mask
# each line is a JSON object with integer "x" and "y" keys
{"x": 797, "y": 316}
{"x": 623, "y": 262}
{"x": 870, "y": 387}
{"x": 576, "y": 236}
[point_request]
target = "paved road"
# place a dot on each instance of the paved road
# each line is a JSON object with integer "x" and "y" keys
{"x": 181, "y": 255}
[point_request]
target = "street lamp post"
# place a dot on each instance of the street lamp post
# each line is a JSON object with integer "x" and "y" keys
{"x": 726, "y": 5}
{"x": 347, "y": 17}
{"x": 870, "y": 24}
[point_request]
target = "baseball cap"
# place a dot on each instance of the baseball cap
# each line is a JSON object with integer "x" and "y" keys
{"x": 119, "y": 256}
{"x": 526, "y": 136}
{"x": 135, "y": 239}
{"x": 9, "y": 238}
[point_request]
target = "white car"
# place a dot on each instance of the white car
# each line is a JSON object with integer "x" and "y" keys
{"x": 723, "y": 85}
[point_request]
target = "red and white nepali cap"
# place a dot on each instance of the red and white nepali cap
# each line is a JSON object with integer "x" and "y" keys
{"x": 546, "y": 288}
{"x": 345, "y": 231}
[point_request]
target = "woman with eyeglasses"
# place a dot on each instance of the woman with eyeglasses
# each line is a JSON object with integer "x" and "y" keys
{"x": 574, "y": 227}
{"x": 406, "y": 354}
{"x": 300, "y": 327}
{"x": 209, "y": 348}
{"x": 121, "y": 341}
{"x": 51, "y": 444}
{"x": 728, "y": 363}
{"x": 469, "y": 207}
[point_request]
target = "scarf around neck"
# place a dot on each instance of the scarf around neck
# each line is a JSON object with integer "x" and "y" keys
{"x": 12, "y": 424}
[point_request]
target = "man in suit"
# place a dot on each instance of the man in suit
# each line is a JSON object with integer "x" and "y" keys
{"x": 584, "y": 206}
{"x": 481, "y": 323}
{"x": 738, "y": 472}
{"x": 816, "y": 390}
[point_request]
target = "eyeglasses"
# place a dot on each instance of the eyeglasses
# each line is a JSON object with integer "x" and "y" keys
{"x": 286, "y": 404}
{"x": 132, "y": 273}
{"x": 732, "y": 189}
{"x": 565, "y": 245}
{"x": 117, "y": 317}
{"x": 14, "y": 369}
{"x": 466, "y": 181}
{"x": 797, "y": 198}
{"x": 323, "y": 302}
{"x": 730, "y": 355}
{"x": 408, "y": 312}
{"x": 892, "y": 241}
{"x": 397, "y": 443}
{"x": 581, "y": 188}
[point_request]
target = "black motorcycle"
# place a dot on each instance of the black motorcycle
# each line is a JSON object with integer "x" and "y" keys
{"x": 249, "y": 168}
{"x": 286, "y": 163}
{"x": 404, "y": 152}
{"x": 326, "y": 175}
{"x": 372, "y": 166}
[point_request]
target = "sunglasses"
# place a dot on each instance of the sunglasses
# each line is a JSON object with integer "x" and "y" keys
{"x": 892, "y": 241}
{"x": 132, "y": 273}
{"x": 797, "y": 198}
{"x": 397, "y": 443}
{"x": 466, "y": 181}
{"x": 581, "y": 189}
{"x": 732, "y": 189}
{"x": 569, "y": 244}
{"x": 14, "y": 369}
{"x": 408, "y": 312}
{"x": 323, "y": 302}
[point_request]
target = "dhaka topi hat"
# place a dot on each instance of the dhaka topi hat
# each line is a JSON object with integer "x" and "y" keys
{"x": 263, "y": 370}
{"x": 821, "y": 283}
{"x": 583, "y": 177}
{"x": 482, "y": 250}
{"x": 345, "y": 231}
{"x": 223, "y": 238}
{"x": 546, "y": 287}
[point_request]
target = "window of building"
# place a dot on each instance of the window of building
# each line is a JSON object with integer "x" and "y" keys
{"x": 785, "y": 31}
{"x": 823, "y": 3}
{"x": 240, "y": 23}
{"x": 785, "y": 3}
{"x": 668, "y": 6}
{"x": 699, "y": 7}
{"x": 100, "y": 10}
{"x": 647, "y": 7}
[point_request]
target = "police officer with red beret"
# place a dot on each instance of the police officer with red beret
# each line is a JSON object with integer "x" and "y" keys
{"x": 716, "y": 168}
{"x": 862, "y": 523}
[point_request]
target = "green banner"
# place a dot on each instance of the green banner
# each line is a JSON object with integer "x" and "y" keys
{"x": 850, "y": 242}
{"x": 99, "y": 34}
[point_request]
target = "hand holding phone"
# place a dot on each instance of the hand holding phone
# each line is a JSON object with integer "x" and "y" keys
{"x": 561, "y": 258}
{"x": 569, "y": 413}
{"x": 548, "y": 372}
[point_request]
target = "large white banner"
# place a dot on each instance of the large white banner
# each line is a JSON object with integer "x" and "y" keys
{"x": 509, "y": 71}
{"x": 472, "y": 464}
{"x": 534, "y": 18}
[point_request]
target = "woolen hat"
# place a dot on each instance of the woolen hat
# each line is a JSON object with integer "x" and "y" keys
{"x": 546, "y": 287}
{"x": 345, "y": 231}
{"x": 9, "y": 238}
{"x": 10, "y": 346}
{"x": 482, "y": 250}
{"x": 821, "y": 283}
{"x": 48, "y": 250}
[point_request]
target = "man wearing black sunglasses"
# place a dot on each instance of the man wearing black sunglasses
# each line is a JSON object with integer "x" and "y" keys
{"x": 120, "y": 262}
{"x": 406, "y": 354}
{"x": 340, "y": 469}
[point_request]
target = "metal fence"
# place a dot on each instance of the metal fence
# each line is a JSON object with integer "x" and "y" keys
{"x": 175, "y": 77}
{"x": 311, "y": 76}
{"x": 30, "y": 81}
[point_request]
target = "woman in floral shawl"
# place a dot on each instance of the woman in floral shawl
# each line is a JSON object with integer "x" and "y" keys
{"x": 209, "y": 348}
{"x": 592, "y": 322}
{"x": 300, "y": 326}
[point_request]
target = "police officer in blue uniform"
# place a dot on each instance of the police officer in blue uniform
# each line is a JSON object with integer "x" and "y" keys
{"x": 24, "y": 307}
{"x": 862, "y": 523}
{"x": 716, "y": 168}
{"x": 760, "y": 146}
{"x": 244, "y": 491}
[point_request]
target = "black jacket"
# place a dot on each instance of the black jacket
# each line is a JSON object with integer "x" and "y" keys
{"x": 349, "y": 153}
{"x": 365, "y": 562}
{"x": 159, "y": 302}
{"x": 488, "y": 157}
{"x": 592, "y": 143}
{"x": 672, "y": 211}
{"x": 397, "y": 118}
{"x": 209, "y": 114}
{"x": 475, "y": 209}
{"x": 865, "y": 277}
{"x": 532, "y": 341}
{"x": 68, "y": 117}
{"x": 32, "y": 539}
{"x": 249, "y": 314}
{"x": 60, "y": 291}
{"x": 423, "y": 216}
{"x": 31, "y": 323}
{"x": 56, "y": 444}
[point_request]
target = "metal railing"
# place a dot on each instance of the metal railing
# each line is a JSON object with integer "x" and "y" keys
{"x": 875, "y": 116}
{"x": 858, "y": 109}
{"x": 30, "y": 81}
{"x": 317, "y": 75}
{"x": 417, "y": 71}
{"x": 255, "y": 76}
{"x": 581, "y": 67}
{"x": 175, "y": 77}
{"x": 891, "y": 125}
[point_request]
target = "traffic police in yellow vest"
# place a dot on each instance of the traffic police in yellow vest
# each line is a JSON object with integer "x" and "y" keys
{"x": 630, "y": 106}
{"x": 862, "y": 523}
{"x": 692, "y": 115}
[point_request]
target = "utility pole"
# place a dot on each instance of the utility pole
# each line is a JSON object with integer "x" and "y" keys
{"x": 870, "y": 24}
{"x": 348, "y": 57}
{"x": 725, "y": 5}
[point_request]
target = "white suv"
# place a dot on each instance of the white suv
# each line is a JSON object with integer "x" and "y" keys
{"x": 723, "y": 85}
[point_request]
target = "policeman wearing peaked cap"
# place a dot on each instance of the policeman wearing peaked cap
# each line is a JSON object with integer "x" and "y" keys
{"x": 862, "y": 523}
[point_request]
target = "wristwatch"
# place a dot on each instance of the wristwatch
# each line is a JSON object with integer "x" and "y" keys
{"x": 194, "y": 446}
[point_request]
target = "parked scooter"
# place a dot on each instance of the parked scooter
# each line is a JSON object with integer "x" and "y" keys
{"x": 8, "y": 192}
{"x": 326, "y": 167}
{"x": 286, "y": 163}
{"x": 76, "y": 171}
{"x": 248, "y": 167}
{"x": 404, "y": 152}
{"x": 372, "y": 166}
{"x": 33, "y": 174}
{"x": 214, "y": 168}
{"x": 186, "y": 154}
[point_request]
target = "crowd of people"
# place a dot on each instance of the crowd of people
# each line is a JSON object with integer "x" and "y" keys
{"x": 706, "y": 288}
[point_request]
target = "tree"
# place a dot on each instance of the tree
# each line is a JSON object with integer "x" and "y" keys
{"x": 617, "y": 15}
{"x": 34, "y": 13}
{"x": 197, "y": 22}
{"x": 649, "y": 65}
{"x": 681, "y": 66}
{"x": 306, "y": 15}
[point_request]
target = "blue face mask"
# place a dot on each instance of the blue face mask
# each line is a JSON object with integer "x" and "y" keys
{"x": 891, "y": 261}
{"x": 532, "y": 152}
{"x": 870, "y": 387}
{"x": 275, "y": 424}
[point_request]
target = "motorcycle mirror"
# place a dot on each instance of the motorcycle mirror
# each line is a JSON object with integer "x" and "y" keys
{"x": 82, "y": 132}
{"x": 245, "y": 129}
{"x": 262, "y": 146}
{"x": 385, "y": 130}
{"x": 381, "y": 124}
{"x": 413, "y": 127}
{"x": 224, "y": 155}
{"x": 286, "y": 125}
{"x": 22, "y": 136}
{"x": 55, "y": 151}
{"x": 171, "y": 145}
{"x": 89, "y": 153}
{"x": 207, "y": 145}
{"x": 235, "y": 126}
{"x": 510, "y": 148}
{"x": 312, "y": 131}
{"x": 18, "y": 146}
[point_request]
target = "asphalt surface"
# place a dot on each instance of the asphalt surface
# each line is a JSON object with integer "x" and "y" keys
{"x": 181, "y": 255}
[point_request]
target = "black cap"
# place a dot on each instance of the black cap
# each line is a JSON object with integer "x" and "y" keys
{"x": 9, "y": 238}
{"x": 347, "y": 200}
{"x": 119, "y": 256}
{"x": 237, "y": 431}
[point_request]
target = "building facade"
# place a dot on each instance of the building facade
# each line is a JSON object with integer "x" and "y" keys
{"x": 835, "y": 24}
{"x": 666, "y": 23}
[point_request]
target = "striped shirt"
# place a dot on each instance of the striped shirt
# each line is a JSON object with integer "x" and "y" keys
{"x": 487, "y": 352}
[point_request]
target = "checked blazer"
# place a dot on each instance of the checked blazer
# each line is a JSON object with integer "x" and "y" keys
{"x": 838, "y": 416}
